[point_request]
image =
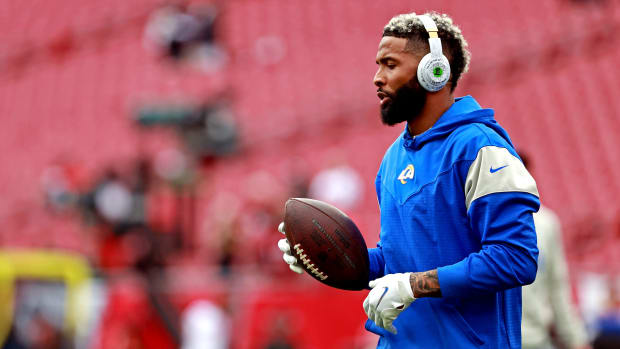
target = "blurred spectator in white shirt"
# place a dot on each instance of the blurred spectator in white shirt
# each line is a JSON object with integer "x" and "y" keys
{"x": 547, "y": 305}
{"x": 338, "y": 184}
{"x": 547, "y": 302}
{"x": 205, "y": 326}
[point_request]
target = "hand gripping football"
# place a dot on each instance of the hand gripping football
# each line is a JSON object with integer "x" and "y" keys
{"x": 326, "y": 243}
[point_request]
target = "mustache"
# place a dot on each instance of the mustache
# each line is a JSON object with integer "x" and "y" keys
{"x": 380, "y": 90}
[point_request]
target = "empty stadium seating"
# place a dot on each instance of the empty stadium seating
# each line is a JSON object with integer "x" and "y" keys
{"x": 299, "y": 76}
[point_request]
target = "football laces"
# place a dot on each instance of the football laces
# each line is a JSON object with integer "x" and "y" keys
{"x": 308, "y": 263}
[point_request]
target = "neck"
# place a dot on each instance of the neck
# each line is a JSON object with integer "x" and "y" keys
{"x": 436, "y": 104}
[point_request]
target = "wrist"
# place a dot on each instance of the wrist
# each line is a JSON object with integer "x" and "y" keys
{"x": 425, "y": 284}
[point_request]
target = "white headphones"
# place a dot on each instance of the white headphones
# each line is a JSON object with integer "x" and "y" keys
{"x": 434, "y": 68}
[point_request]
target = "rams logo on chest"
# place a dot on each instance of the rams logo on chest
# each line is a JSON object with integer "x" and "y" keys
{"x": 406, "y": 174}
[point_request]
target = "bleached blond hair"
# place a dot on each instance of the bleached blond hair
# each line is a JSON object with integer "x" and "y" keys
{"x": 454, "y": 45}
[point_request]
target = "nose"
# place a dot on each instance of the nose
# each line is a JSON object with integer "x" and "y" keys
{"x": 379, "y": 79}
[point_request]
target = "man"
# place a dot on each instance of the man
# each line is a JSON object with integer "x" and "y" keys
{"x": 547, "y": 303}
{"x": 457, "y": 236}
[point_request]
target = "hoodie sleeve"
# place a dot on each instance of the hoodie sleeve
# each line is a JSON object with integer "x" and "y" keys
{"x": 500, "y": 196}
{"x": 375, "y": 255}
{"x": 377, "y": 264}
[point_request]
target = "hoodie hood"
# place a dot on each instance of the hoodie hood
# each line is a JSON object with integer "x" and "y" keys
{"x": 465, "y": 110}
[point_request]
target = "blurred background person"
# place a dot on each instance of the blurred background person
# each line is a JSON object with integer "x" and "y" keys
{"x": 205, "y": 326}
{"x": 550, "y": 319}
{"x": 338, "y": 183}
{"x": 608, "y": 323}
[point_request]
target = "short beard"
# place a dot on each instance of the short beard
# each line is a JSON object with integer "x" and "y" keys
{"x": 405, "y": 105}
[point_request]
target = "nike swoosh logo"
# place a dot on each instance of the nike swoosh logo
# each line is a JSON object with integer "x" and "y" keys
{"x": 493, "y": 170}
{"x": 384, "y": 292}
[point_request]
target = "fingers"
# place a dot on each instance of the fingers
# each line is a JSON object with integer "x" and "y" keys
{"x": 378, "y": 319}
{"x": 388, "y": 316}
{"x": 284, "y": 246}
{"x": 370, "y": 303}
{"x": 367, "y": 309}
{"x": 391, "y": 328}
{"x": 296, "y": 268}
{"x": 371, "y": 313}
{"x": 289, "y": 259}
{"x": 281, "y": 228}
{"x": 383, "y": 319}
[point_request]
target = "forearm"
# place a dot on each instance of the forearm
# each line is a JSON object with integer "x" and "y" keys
{"x": 425, "y": 284}
{"x": 377, "y": 263}
{"x": 508, "y": 254}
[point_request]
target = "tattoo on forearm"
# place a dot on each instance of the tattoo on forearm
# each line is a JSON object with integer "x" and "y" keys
{"x": 425, "y": 284}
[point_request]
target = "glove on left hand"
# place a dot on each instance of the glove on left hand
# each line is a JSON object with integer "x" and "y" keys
{"x": 285, "y": 247}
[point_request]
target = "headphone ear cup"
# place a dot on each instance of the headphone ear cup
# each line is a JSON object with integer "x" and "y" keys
{"x": 433, "y": 72}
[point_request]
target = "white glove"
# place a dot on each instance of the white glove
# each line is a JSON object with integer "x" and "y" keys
{"x": 285, "y": 247}
{"x": 390, "y": 295}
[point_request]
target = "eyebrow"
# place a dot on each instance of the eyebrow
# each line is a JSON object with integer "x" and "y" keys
{"x": 385, "y": 59}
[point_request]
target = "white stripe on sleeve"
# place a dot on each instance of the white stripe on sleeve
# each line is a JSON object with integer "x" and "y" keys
{"x": 495, "y": 170}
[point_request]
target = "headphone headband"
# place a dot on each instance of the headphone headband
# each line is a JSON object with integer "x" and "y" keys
{"x": 433, "y": 37}
{"x": 429, "y": 24}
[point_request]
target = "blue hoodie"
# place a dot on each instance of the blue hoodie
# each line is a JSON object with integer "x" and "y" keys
{"x": 458, "y": 199}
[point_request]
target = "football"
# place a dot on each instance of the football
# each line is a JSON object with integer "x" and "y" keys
{"x": 326, "y": 243}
